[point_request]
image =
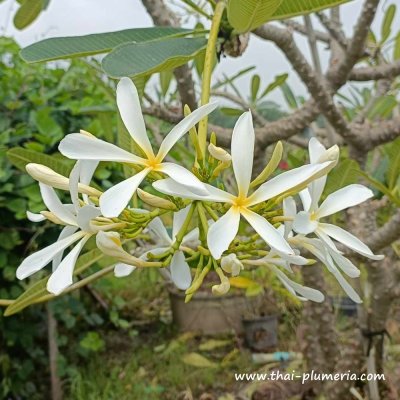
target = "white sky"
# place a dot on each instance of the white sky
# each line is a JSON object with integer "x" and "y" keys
{"x": 77, "y": 17}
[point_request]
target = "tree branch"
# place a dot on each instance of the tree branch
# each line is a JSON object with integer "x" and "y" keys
{"x": 316, "y": 85}
{"x": 385, "y": 71}
{"x": 340, "y": 72}
{"x": 331, "y": 27}
{"x": 385, "y": 235}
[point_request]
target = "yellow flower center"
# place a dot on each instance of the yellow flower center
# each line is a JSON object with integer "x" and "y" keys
{"x": 241, "y": 202}
{"x": 153, "y": 163}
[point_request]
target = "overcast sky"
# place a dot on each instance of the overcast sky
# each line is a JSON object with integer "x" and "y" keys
{"x": 77, "y": 17}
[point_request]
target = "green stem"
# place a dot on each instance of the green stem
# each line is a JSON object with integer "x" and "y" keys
{"x": 182, "y": 232}
{"x": 5, "y": 303}
{"x": 208, "y": 67}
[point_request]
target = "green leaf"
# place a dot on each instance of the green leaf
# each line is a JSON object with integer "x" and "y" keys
{"x": 393, "y": 171}
{"x": 386, "y": 28}
{"x": 383, "y": 107}
{"x": 234, "y": 77}
{"x": 292, "y": 8}
{"x": 255, "y": 87}
{"x": 396, "y": 48}
{"x": 345, "y": 173}
{"x": 278, "y": 81}
{"x": 38, "y": 290}
{"x": 231, "y": 112}
{"x": 289, "y": 95}
{"x": 199, "y": 361}
{"x": 246, "y": 15}
{"x": 381, "y": 187}
{"x": 139, "y": 59}
{"x": 80, "y": 46}
{"x": 165, "y": 81}
{"x": 20, "y": 157}
{"x": 27, "y": 13}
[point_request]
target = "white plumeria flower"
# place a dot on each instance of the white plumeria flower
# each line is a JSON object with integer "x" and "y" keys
{"x": 308, "y": 221}
{"x": 231, "y": 264}
{"x": 223, "y": 231}
{"x": 84, "y": 147}
{"x": 275, "y": 260}
{"x": 78, "y": 228}
{"x": 330, "y": 257}
{"x": 179, "y": 270}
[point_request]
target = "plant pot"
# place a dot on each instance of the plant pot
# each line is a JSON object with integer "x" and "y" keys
{"x": 261, "y": 333}
{"x": 208, "y": 314}
{"x": 344, "y": 305}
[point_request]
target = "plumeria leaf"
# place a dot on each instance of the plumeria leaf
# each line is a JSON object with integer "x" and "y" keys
{"x": 139, "y": 59}
{"x": 342, "y": 175}
{"x": 81, "y": 46}
{"x": 199, "y": 361}
{"x": 246, "y": 15}
{"x": 20, "y": 157}
{"x": 38, "y": 290}
{"x": 27, "y": 13}
{"x": 381, "y": 187}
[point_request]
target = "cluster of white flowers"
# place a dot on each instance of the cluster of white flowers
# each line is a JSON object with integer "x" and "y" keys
{"x": 206, "y": 217}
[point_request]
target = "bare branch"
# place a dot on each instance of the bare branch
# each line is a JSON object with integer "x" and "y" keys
{"x": 385, "y": 71}
{"x": 295, "y": 26}
{"x": 340, "y": 72}
{"x": 336, "y": 33}
{"x": 386, "y": 235}
{"x": 316, "y": 85}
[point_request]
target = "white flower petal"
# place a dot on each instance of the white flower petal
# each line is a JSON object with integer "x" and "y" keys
{"x": 242, "y": 149}
{"x": 35, "y": 217}
{"x": 85, "y": 215}
{"x": 304, "y": 291}
{"x": 157, "y": 227}
{"x": 183, "y": 127}
{"x": 121, "y": 270}
{"x": 222, "y": 232}
{"x": 305, "y": 198}
{"x": 344, "y": 264}
{"x": 81, "y": 147}
{"x": 180, "y": 271}
{"x": 65, "y": 232}
{"x": 346, "y": 197}
{"x": 55, "y": 206}
{"x": 128, "y": 103}
{"x": 348, "y": 240}
{"x": 267, "y": 232}
{"x": 289, "y": 210}
{"x": 178, "y": 220}
{"x": 41, "y": 258}
{"x": 288, "y": 180}
{"x": 348, "y": 288}
{"x": 172, "y": 188}
{"x": 73, "y": 184}
{"x": 62, "y": 277}
{"x": 184, "y": 177}
{"x": 315, "y": 149}
{"x": 114, "y": 200}
{"x": 303, "y": 223}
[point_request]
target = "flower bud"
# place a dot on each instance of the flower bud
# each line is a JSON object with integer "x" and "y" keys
{"x": 52, "y": 217}
{"x": 222, "y": 288}
{"x": 219, "y": 153}
{"x": 49, "y": 177}
{"x": 231, "y": 264}
{"x": 110, "y": 244}
{"x": 155, "y": 201}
